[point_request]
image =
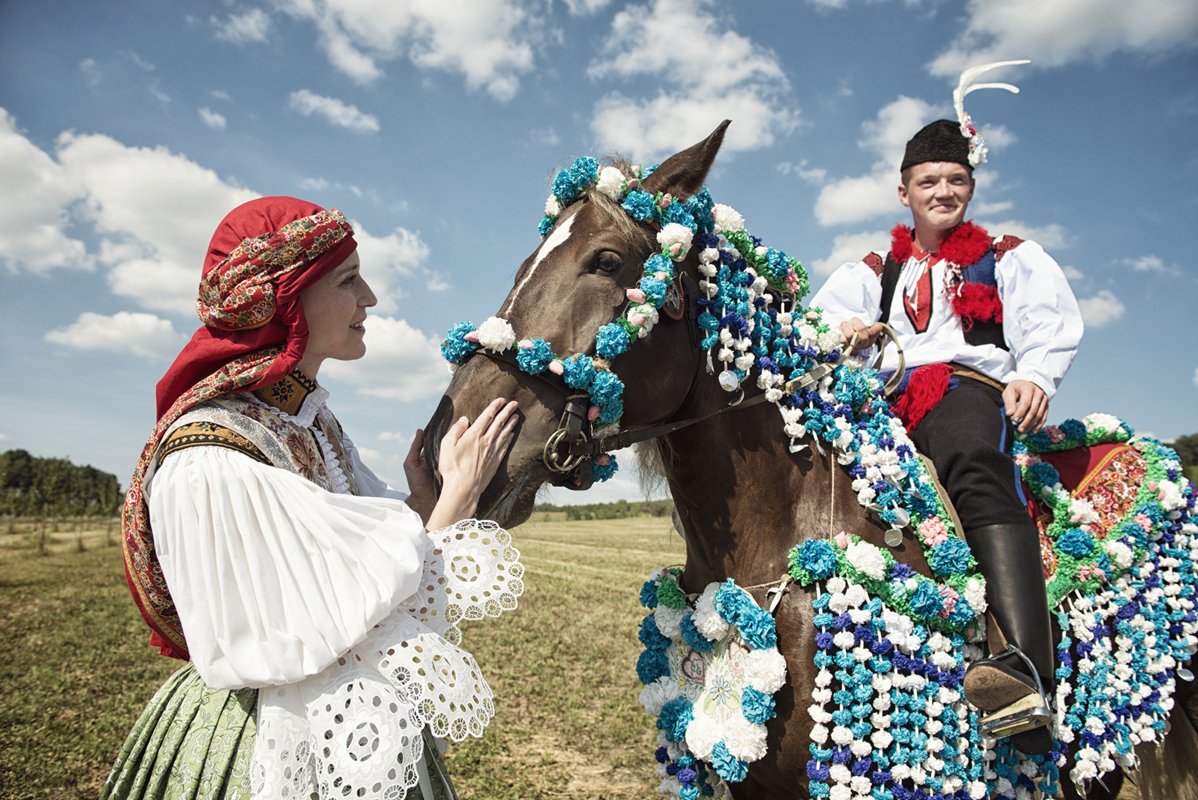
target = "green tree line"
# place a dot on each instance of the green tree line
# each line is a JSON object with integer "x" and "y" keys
{"x": 620, "y": 509}
{"x": 55, "y": 487}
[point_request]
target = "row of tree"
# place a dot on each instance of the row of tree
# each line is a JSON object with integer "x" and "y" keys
{"x": 620, "y": 509}
{"x": 54, "y": 487}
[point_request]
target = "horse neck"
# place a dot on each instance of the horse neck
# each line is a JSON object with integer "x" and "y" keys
{"x": 744, "y": 499}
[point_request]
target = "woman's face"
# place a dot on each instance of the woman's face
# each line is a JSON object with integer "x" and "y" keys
{"x": 335, "y": 307}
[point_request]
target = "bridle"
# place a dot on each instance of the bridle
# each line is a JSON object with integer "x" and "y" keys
{"x": 573, "y": 444}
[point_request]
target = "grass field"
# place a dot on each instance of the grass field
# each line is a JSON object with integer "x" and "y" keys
{"x": 75, "y": 669}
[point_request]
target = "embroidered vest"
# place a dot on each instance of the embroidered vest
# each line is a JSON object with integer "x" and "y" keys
{"x": 278, "y": 441}
{"x": 972, "y": 257}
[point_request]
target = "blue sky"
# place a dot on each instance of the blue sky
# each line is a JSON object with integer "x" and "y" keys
{"x": 128, "y": 129}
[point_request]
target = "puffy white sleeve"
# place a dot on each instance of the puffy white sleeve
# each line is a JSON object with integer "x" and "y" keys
{"x": 273, "y": 577}
{"x": 853, "y": 290}
{"x": 369, "y": 484}
{"x": 1041, "y": 319}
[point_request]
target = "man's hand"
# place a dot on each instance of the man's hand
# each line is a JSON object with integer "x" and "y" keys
{"x": 422, "y": 494}
{"x": 1027, "y": 405}
{"x": 866, "y": 334}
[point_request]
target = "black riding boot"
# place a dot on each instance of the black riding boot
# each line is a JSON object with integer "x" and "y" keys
{"x": 1014, "y": 689}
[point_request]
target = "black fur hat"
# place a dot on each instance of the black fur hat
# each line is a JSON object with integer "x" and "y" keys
{"x": 938, "y": 141}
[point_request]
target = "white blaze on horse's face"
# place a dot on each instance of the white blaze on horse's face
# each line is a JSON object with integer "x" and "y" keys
{"x": 559, "y": 236}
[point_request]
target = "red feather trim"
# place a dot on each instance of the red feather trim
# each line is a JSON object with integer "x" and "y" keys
{"x": 977, "y": 302}
{"x": 926, "y": 387}
{"x": 965, "y": 245}
{"x": 900, "y": 243}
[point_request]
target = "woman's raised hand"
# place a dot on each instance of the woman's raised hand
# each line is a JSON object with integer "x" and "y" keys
{"x": 470, "y": 455}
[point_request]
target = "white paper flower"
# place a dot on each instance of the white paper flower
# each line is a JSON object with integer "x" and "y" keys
{"x": 1118, "y": 552}
{"x": 669, "y": 621}
{"x": 1107, "y": 422}
{"x": 701, "y": 735}
{"x": 745, "y": 740}
{"x": 1081, "y": 512}
{"x": 657, "y": 694}
{"x": 727, "y": 218}
{"x": 765, "y": 670}
{"x": 611, "y": 182}
{"x": 1170, "y": 495}
{"x": 707, "y": 621}
{"x": 867, "y": 558}
{"x": 552, "y": 206}
{"x": 496, "y": 334}
{"x": 675, "y": 239}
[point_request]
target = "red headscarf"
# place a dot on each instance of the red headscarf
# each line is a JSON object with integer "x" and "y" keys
{"x": 263, "y": 255}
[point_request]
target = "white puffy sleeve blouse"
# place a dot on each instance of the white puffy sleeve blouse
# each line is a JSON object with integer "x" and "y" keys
{"x": 274, "y": 577}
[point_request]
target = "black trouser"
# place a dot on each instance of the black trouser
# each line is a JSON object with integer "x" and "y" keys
{"x": 968, "y": 437}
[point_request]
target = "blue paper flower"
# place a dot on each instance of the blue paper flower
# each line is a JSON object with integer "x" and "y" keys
{"x": 655, "y": 291}
{"x": 1075, "y": 542}
{"x": 545, "y": 226}
{"x": 603, "y": 472}
{"x": 817, "y": 558}
{"x": 674, "y": 717}
{"x": 639, "y": 205}
{"x": 691, "y": 635}
{"x": 606, "y": 388}
{"x": 757, "y": 706}
{"x": 455, "y": 348}
{"x": 926, "y": 601}
{"x": 950, "y": 557}
{"x": 534, "y": 360}
{"x": 651, "y": 636}
{"x": 728, "y": 766}
{"x": 610, "y": 413}
{"x": 611, "y": 341}
{"x": 649, "y": 593}
{"x": 651, "y": 665}
{"x": 578, "y": 371}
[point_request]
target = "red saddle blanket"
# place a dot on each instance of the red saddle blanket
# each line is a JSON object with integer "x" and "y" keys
{"x": 1109, "y": 476}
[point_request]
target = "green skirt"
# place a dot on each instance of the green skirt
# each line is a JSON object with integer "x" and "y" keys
{"x": 197, "y": 743}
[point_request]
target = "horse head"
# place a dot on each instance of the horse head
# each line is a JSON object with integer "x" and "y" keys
{"x": 585, "y": 274}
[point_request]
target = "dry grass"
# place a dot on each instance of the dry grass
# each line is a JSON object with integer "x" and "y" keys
{"x": 76, "y": 671}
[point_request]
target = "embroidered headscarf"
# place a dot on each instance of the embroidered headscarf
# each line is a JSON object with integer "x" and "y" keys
{"x": 261, "y": 258}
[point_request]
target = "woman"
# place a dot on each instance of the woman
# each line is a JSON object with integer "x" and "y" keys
{"x": 314, "y": 606}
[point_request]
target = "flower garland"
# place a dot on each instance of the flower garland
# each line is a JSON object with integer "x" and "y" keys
{"x": 710, "y": 672}
{"x": 748, "y": 329}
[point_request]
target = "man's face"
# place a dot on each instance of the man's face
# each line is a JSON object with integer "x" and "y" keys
{"x": 938, "y": 195}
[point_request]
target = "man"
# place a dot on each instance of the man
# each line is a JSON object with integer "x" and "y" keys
{"x": 989, "y": 327}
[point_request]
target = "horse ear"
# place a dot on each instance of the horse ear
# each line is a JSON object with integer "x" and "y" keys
{"x": 683, "y": 173}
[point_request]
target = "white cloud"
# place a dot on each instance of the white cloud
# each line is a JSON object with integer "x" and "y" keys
{"x": 1101, "y": 309}
{"x": 813, "y": 175}
{"x": 386, "y": 259}
{"x": 544, "y": 138}
{"x": 848, "y": 247}
{"x": 998, "y": 207}
{"x": 252, "y": 26}
{"x": 155, "y": 211}
{"x": 334, "y": 111}
{"x": 213, "y": 119}
{"x": 490, "y": 45}
{"x": 401, "y": 363}
{"x": 1051, "y": 236}
{"x": 707, "y": 74}
{"x": 585, "y": 8}
{"x": 33, "y": 220}
{"x": 123, "y": 332}
{"x": 91, "y": 72}
{"x": 1151, "y": 263}
{"x": 1073, "y": 273}
{"x": 1066, "y": 31}
{"x": 856, "y": 199}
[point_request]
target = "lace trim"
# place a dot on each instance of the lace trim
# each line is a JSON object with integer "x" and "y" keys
{"x": 337, "y": 476}
{"x": 313, "y": 403}
{"x": 354, "y": 730}
{"x": 473, "y": 573}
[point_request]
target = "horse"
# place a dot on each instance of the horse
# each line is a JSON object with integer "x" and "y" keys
{"x": 744, "y": 494}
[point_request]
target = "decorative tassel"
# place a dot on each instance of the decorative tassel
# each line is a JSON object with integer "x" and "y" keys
{"x": 926, "y": 386}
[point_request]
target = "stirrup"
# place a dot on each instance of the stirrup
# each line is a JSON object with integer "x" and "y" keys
{"x": 1015, "y": 711}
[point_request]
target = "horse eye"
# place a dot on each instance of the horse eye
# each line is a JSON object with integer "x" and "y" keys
{"x": 608, "y": 261}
